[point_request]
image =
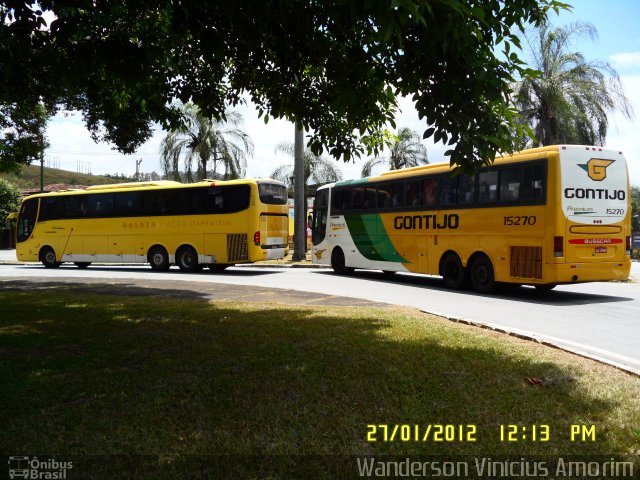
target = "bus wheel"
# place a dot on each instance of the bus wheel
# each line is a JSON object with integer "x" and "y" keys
{"x": 187, "y": 259}
{"x": 454, "y": 274}
{"x": 48, "y": 258}
{"x": 82, "y": 264}
{"x": 482, "y": 277}
{"x": 338, "y": 263}
{"x": 547, "y": 287}
{"x": 158, "y": 259}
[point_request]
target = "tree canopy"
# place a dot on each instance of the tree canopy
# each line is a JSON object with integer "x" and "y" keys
{"x": 405, "y": 151}
{"x": 569, "y": 101}
{"x": 334, "y": 67}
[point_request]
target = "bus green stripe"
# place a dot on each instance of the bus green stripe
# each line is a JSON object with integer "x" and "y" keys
{"x": 371, "y": 239}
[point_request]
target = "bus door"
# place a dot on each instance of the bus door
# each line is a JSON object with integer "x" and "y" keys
{"x": 320, "y": 215}
{"x": 27, "y": 219}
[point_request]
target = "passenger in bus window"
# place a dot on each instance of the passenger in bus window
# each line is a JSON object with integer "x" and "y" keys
{"x": 429, "y": 192}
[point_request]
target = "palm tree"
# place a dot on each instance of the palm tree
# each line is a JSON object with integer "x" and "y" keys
{"x": 568, "y": 101}
{"x": 317, "y": 169}
{"x": 203, "y": 140}
{"x": 406, "y": 151}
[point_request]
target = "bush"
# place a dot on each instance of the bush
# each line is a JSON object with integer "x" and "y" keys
{"x": 9, "y": 201}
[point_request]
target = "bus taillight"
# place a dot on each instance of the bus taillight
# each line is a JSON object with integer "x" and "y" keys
{"x": 256, "y": 238}
{"x": 558, "y": 246}
{"x": 628, "y": 244}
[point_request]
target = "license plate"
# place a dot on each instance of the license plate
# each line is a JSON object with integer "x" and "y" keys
{"x": 601, "y": 249}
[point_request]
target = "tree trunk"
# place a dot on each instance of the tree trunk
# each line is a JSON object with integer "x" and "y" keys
{"x": 299, "y": 205}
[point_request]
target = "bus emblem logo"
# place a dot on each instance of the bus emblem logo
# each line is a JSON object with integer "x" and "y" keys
{"x": 596, "y": 168}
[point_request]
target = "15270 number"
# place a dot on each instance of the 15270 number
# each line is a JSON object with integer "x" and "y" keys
{"x": 520, "y": 220}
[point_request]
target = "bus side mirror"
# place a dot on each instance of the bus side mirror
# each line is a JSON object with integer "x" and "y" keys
{"x": 310, "y": 220}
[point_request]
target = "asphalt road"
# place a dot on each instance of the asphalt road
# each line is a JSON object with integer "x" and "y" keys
{"x": 600, "y": 320}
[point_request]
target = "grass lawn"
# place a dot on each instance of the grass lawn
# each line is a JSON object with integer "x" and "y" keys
{"x": 181, "y": 381}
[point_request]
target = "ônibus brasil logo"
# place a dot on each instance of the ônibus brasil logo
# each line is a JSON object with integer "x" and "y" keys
{"x": 596, "y": 168}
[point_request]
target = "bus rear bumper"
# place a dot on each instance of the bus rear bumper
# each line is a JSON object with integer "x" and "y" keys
{"x": 588, "y": 272}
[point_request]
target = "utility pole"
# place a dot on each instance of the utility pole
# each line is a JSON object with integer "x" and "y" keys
{"x": 299, "y": 199}
{"x": 41, "y": 172}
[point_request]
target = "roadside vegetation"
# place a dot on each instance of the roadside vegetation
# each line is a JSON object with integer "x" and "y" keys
{"x": 85, "y": 374}
{"x": 29, "y": 177}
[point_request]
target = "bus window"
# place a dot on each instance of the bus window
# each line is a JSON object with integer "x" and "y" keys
{"x": 27, "y": 219}
{"x": 466, "y": 186}
{"x": 272, "y": 193}
{"x": 100, "y": 205}
{"x": 447, "y": 190}
{"x": 74, "y": 206}
{"x": 429, "y": 192}
{"x": 50, "y": 209}
{"x": 413, "y": 194}
{"x": 370, "y": 198}
{"x": 510, "y": 184}
{"x": 392, "y": 194}
{"x": 533, "y": 183}
{"x": 336, "y": 202}
{"x": 488, "y": 186}
{"x": 357, "y": 198}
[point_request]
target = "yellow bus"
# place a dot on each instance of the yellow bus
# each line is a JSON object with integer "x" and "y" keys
{"x": 542, "y": 217}
{"x": 210, "y": 223}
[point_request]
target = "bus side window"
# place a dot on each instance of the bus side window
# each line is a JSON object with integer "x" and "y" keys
{"x": 429, "y": 192}
{"x": 533, "y": 182}
{"x": 336, "y": 202}
{"x": 488, "y": 186}
{"x": 465, "y": 189}
{"x": 510, "y": 184}
{"x": 448, "y": 187}
{"x": 412, "y": 194}
{"x": 370, "y": 198}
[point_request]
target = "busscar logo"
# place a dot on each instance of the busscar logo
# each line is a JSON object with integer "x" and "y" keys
{"x": 596, "y": 168}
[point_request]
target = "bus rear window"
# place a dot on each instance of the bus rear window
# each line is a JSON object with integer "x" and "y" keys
{"x": 272, "y": 193}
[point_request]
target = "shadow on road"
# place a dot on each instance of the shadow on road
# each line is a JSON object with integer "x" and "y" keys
{"x": 526, "y": 294}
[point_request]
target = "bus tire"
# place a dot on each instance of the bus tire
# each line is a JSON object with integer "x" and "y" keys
{"x": 454, "y": 275}
{"x": 187, "y": 259}
{"x": 482, "y": 276}
{"x": 82, "y": 264}
{"x": 159, "y": 259}
{"x": 338, "y": 262}
{"x": 48, "y": 258}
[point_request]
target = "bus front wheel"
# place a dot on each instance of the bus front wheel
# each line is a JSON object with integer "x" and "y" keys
{"x": 187, "y": 259}
{"x": 454, "y": 274}
{"x": 482, "y": 277}
{"x": 48, "y": 258}
{"x": 338, "y": 263}
{"x": 159, "y": 259}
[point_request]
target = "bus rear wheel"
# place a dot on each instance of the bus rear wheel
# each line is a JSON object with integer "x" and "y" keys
{"x": 187, "y": 259}
{"x": 338, "y": 263}
{"x": 48, "y": 258}
{"x": 159, "y": 259}
{"x": 482, "y": 277}
{"x": 454, "y": 274}
{"x": 82, "y": 264}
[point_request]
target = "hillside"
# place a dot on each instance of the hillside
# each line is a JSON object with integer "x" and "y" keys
{"x": 29, "y": 177}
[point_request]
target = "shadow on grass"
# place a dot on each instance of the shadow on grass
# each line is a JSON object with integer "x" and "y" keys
{"x": 105, "y": 375}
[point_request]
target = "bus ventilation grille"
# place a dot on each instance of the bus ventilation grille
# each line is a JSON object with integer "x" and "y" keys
{"x": 526, "y": 262}
{"x": 237, "y": 247}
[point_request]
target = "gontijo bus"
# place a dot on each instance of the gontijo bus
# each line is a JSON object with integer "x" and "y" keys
{"x": 214, "y": 224}
{"x": 545, "y": 216}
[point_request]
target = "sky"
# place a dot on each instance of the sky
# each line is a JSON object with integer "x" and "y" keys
{"x": 618, "y": 42}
